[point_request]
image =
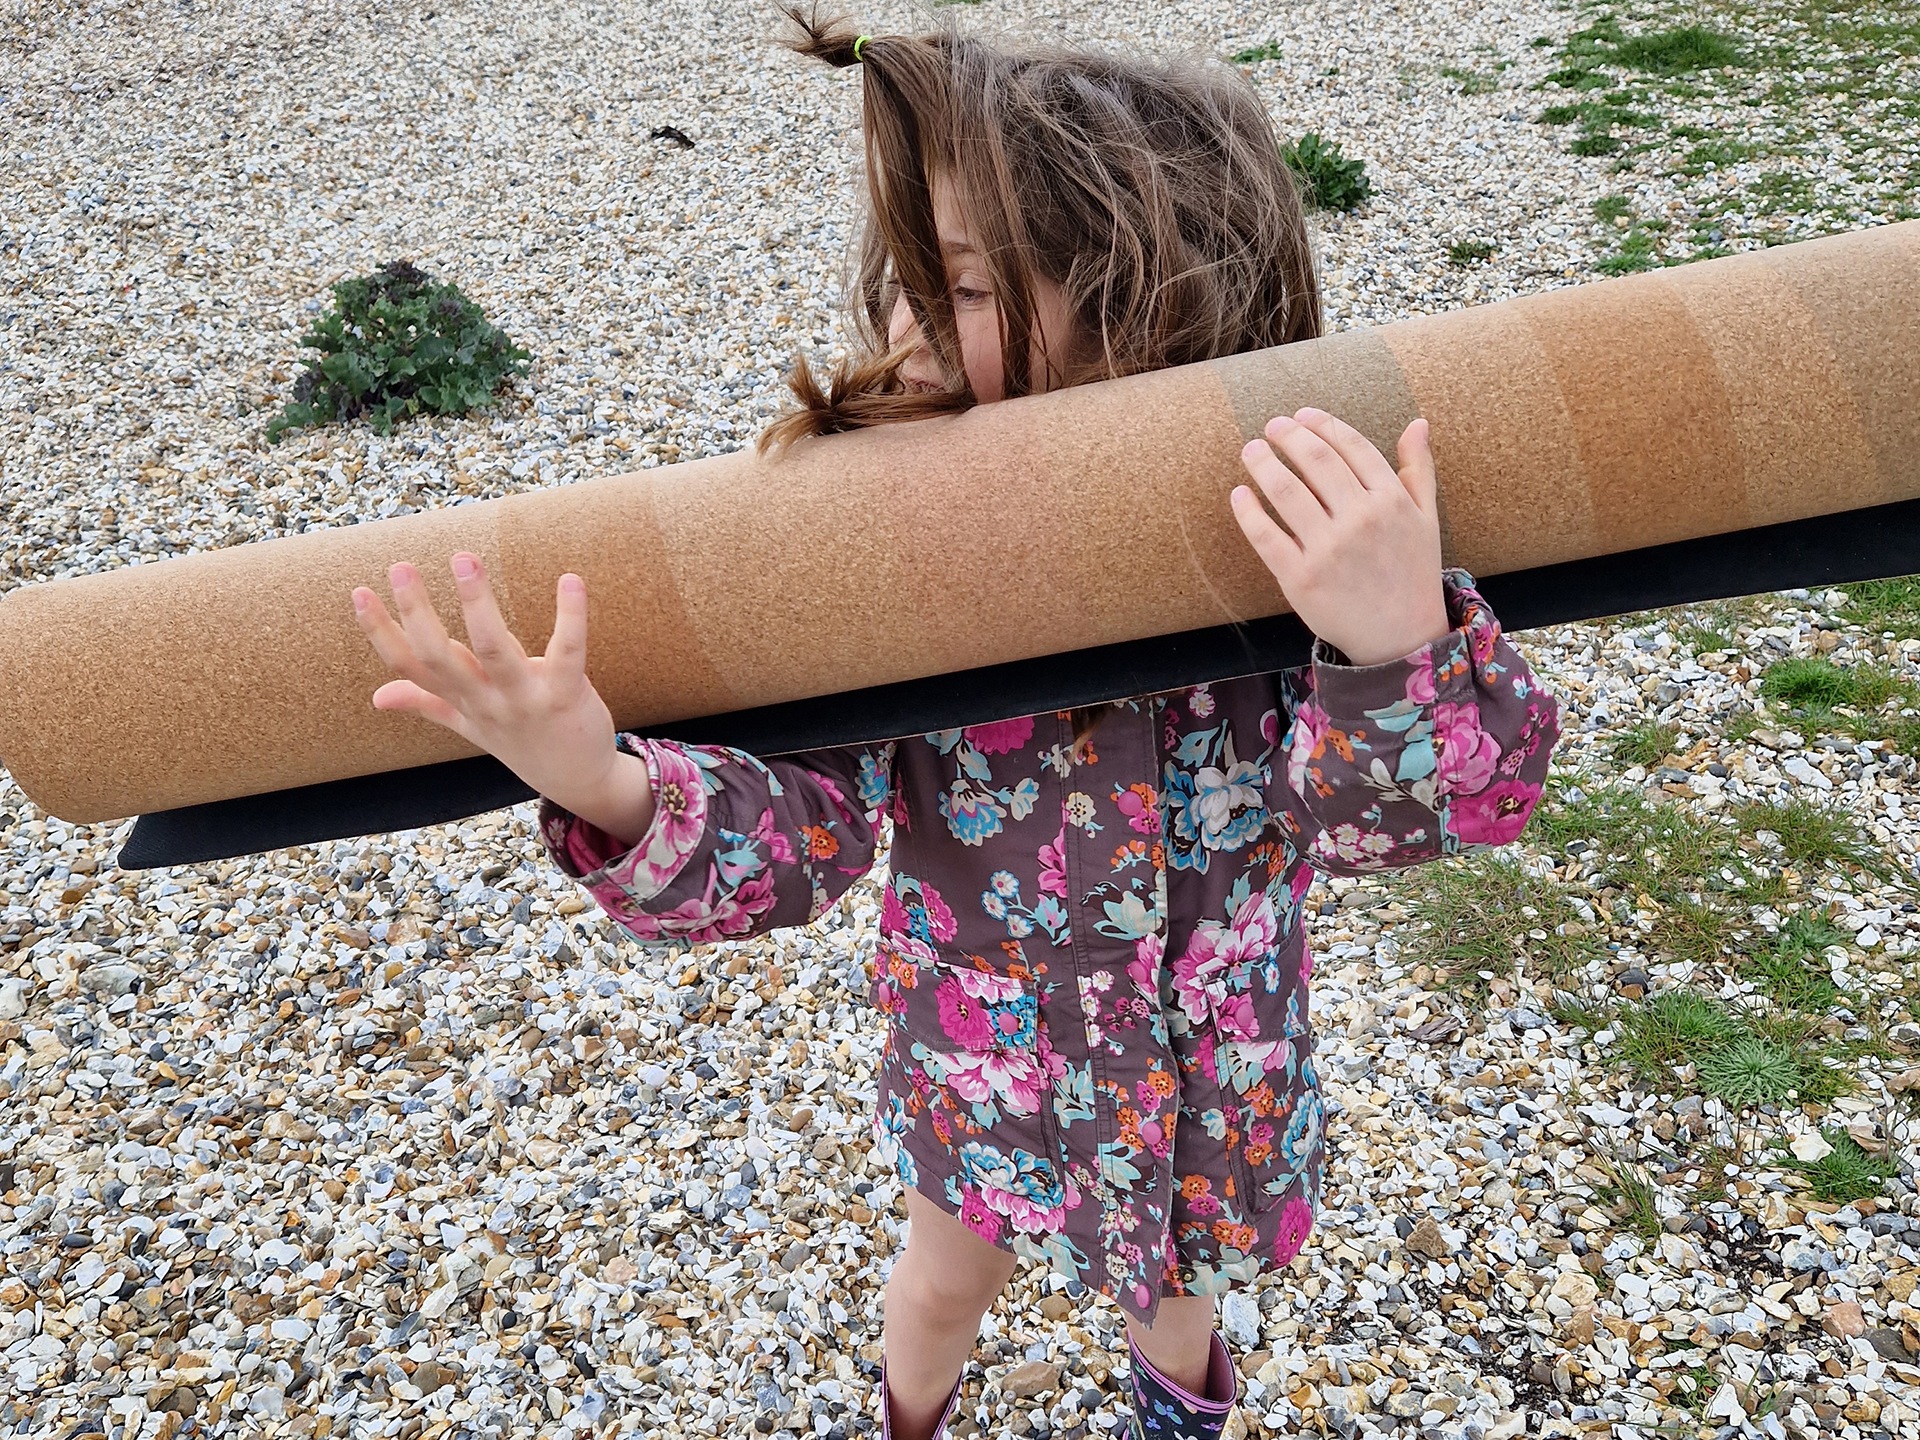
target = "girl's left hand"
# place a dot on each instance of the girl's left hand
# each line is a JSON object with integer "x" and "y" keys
{"x": 1359, "y": 556}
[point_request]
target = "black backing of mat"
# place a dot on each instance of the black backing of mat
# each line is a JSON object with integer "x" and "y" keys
{"x": 1870, "y": 544}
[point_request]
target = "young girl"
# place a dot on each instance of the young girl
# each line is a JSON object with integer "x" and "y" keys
{"x": 1091, "y": 963}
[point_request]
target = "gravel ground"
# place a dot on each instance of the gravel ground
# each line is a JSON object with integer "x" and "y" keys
{"x": 398, "y": 1138}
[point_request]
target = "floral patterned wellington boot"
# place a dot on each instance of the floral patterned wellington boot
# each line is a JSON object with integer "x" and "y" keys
{"x": 886, "y": 1406}
{"x": 1164, "y": 1411}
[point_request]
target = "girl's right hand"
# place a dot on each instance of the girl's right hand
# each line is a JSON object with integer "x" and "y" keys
{"x": 539, "y": 715}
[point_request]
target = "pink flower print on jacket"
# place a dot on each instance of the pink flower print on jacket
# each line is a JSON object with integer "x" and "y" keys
{"x": 1495, "y": 815}
{"x": 1467, "y": 756}
{"x": 1002, "y": 737}
{"x": 1053, "y": 866}
{"x": 1200, "y": 974}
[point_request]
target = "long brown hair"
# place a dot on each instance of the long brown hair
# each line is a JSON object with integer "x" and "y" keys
{"x": 1151, "y": 191}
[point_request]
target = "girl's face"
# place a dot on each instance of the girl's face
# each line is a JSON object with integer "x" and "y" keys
{"x": 976, "y": 314}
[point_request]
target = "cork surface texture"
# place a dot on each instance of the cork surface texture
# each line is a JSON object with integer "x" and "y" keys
{"x": 1669, "y": 405}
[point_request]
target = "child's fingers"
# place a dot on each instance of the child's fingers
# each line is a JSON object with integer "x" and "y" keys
{"x": 449, "y": 666}
{"x": 389, "y": 641}
{"x": 1323, "y": 468}
{"x": 567, "y": 650}
{"x": 1279, "y": 550}
{"x": 488, "y": 637}
{"x": 1296, "y": 504}
{"x": 1416, "y": 466}
{"x": 1362, "y": 458}
{"x": 410, "y": 699}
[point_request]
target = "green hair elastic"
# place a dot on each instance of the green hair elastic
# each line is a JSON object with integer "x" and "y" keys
{"x": 858, "y": 43}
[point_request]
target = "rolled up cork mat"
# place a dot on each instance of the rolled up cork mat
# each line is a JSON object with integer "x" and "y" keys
{"x": 1729, "y": 395}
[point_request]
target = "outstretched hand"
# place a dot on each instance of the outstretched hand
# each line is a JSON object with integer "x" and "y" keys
{"x": 1357, "y": 549}
{"x": 539, "y": 715}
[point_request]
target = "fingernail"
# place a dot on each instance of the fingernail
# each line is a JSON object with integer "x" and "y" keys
{"x": 1308, "y": 410}
{"x": 360, "y": 598}
{"x": 400, "y": 574}
{"x": 1281, "y": 420}
{"x": 465, "y": 567}
{"x": 573, "y": 584}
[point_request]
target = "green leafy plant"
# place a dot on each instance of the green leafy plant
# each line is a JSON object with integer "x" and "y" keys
{"x": 1332, "y": 181}
{"x": 1468, "y": 252}
{"x": 1749, "y": 1071}
{"x": 395, "y": 344}
{"x": 1794, "y": 971}
{"x": 1254, "y": 54}
{"x": 1849, "y": 1173}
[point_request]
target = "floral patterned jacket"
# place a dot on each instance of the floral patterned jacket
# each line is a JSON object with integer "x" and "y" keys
{"x": 1092, "y": 969}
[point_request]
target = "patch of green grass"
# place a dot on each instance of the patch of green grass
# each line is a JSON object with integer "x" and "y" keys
{"x": 1669, "y": 1029}
{"x": 1469, "y": 252}
{"x": 1694, "y": 1386}
{"x": 1704, "y": 639}
{"x": 1637, "y": 251}
{"x": 1256, "y": 54}
{"x": 1483, "y": 912}
{"x": 1831, "y": 83}
{"x": 1472, "y": 82}
{"x": 1694, "y": 868}
{"x": 1849, "y": 1173}
{"x": 1611, "y": 207}
{"x": 1719, "y": 153}
{"x": 1745, "y": 1061}
{"x": 1816, "y": 837}
{"x": 1884, "y": 605}
{"x": 1815, "y": 680}
{"x": 1821, "y": 1080}
{"x": 1630, "y": 1197}
{"x": 1570, "y": 1010}
{"x": 1811, "y": 932}
{"x": 1645, "y": 744}
{"x": 1794, "y": 972}
{"x": 1675, "y": 52}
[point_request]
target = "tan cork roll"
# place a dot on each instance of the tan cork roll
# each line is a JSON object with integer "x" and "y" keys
{"x": 1670, "y": 405}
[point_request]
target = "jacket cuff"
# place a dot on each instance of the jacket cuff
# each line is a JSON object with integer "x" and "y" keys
{"x": 1348, "y": 691}
{"x": 586, "y": 852}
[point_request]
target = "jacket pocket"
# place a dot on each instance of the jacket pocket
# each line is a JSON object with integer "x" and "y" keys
{"x": 976, "y": 1034}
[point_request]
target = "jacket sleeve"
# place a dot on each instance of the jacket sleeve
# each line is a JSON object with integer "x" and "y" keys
{"x": 1443, "y": 750}
{"x": 738, "y": 845}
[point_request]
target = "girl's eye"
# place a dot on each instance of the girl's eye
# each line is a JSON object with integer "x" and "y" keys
{"x": 970, "y": 297}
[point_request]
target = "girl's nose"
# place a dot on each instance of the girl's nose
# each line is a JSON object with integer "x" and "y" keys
{"x": 901, "y": 326}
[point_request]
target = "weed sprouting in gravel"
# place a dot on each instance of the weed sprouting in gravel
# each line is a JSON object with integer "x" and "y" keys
{"x": 1630, "y": 1196}
{"x": 1645, "y": 744}
{"x": 1815, "y": 836}
{"x": 1332, "y": 181}
{"x": 1485, "y": 913}
{"x": 1847, "y": 1173}
{"x": 398, "y": 343}
{"x": 1887, "y": 607}
{"x": 1749, "y": 1071}
{"x": 1815, "y": 680}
